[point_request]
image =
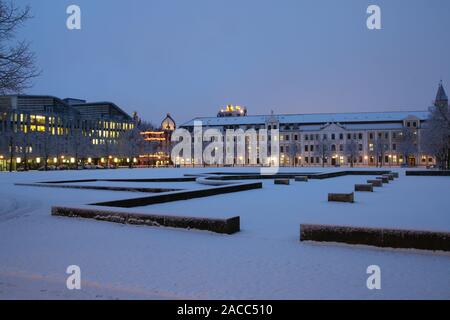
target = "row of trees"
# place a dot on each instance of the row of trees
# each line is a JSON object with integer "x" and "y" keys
{"x": 76, "y": 145}
{"x": 406, "y": 145}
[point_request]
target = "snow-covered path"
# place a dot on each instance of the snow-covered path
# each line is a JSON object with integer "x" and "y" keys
{"x": 265, "y": 260}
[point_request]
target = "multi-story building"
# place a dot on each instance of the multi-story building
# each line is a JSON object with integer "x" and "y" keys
{"x": 334, "y": 139}
{"x": 42, "y": 130}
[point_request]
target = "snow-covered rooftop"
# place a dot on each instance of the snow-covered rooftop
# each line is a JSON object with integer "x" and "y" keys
{"x": 311, "y": 118}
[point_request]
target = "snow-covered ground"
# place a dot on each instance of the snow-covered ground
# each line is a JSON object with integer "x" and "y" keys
{"x": 265, "y": 260}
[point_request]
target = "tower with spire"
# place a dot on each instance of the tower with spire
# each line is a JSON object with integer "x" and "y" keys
{"x": 441, "y": 97}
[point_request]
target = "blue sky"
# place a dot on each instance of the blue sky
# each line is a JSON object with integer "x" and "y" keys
{"x": 291, "y": 56}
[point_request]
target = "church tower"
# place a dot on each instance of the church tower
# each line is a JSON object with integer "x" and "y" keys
{"x": 441, "y": 97}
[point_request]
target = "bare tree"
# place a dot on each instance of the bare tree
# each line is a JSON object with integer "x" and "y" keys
{"x": 379, "y": 150}
{"x": 407, "y": 145}
{"x": 435, "y": 138}
{"x": 78, "y": 143}
{"x": 323, "y": 150}
{"x": 293, "y": 151}
{"x": 46, "y": 144}
{"x": 11, "y": 146}
{"x": 352, "y": 150}
{"x": 17, "y": 62}
{"x": 132, "y": 142}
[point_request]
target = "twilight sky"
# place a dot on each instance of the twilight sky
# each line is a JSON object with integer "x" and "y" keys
{"x": 291, "y": 56}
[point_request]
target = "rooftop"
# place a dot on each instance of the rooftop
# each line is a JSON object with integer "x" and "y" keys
{"x": 314, "y": 118}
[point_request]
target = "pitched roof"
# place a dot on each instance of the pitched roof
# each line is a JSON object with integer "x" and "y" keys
{"x": 441, "y": 95}
{"x": 312, "y": 118}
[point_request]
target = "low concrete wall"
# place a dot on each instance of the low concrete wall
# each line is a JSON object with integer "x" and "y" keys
{"x": 429, "y": 173}
{"x": 127, "y": 189}
{"x": 364, "y": 187}
{"x": 182, "y": 179}
{"x": 389, "y": 176}
{"x": 227, "y": 226}
{"x": 179, "y": 195}
{"x": 348, "y": 173}
{"x": 341, "y": 197}
{"x": 375, "y": 183}
{"x": 379, "y": 237}
{"x": 383, "y": 179}
{"x": 282, "y": 181}
{"x": 301, "y": 179}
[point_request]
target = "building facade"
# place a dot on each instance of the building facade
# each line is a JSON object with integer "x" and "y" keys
{"x": 339, "y": 139}
{"x": 37, "y": 131}
{"x": 156, "y": 152}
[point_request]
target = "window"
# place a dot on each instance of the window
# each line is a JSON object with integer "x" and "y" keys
{"x": 333, "y": 147}
{"x": 394, "y": 135}
{"x": 306, "y": 148}
{"x": 394, "y": 146}
{"x": 341, "y": 147}
{"x": 415, "y": 124}
{"x": 281, "y": 149}
{"x": 306, "y": 137}
{"x": 287, "y": 137}
{"x": 295, "y": 137}
{"x": 325, "y": 137}
{"x": 333, "y": 136}
{"x": 371, "y": 136}
{"x": 312, "y": 159}
{"x": 349, "y": 136}
{"x": 341, "y": 136}
{"x": 306, "y": 159}
{"x": 386, "y": 135}
{"x": 360, "y": 147}
{"x": 360, "y": 136}
{"x": 312, "y": 148}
